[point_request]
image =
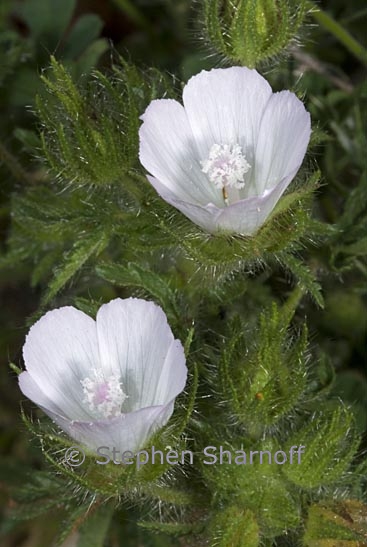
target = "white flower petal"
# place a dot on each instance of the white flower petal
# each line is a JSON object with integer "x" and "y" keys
{"x": 246, "y": 216}
{"x": 204, "y": 216}
{"x": 60, "y": 350}
{"x": 225, "y": 106}
{"x": 135, "y": 338}
{"x": 283, "y": 139}
{"x": 126, "y": 432}
{"x": 31, "y": 390}
{"x": 168, "y": 151}
{"x": 172, "y": 377}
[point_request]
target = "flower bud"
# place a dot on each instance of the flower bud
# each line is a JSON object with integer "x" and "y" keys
{"x": 251, "y": 31}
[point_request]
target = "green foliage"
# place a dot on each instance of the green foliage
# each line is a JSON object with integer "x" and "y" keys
{"x": 107, "y": 225}
{"x": 288, "y": 230}
{"x": 90, "y": 134}
{"x": 74, "y": 260}
{"x": 251, "y": 31}
{"x": 152, "y": 285}
{"x": 51, "y": 27}
{"x": 45, "y": 19}
{"x": 264, "y": 378}
{"x": 268, "y": 369}
{"x": 341, "y": 34}
{"x": 40, "y": 493}
{"x": 339, "y": 524}
{"x": 236, "y": 528}
{"x": 49, "y": 229}
{"x": 82, "y": 144}
{"x": 71, "y": 522}
{"x": 255, "y": 368}
{"x": 346, "y": 314}
{"x": 256, "y": 485}
{"x": 93, "y": 531}
{"x": 331, "y": 443}
{"x": 89, "y": 137}
{"x": 351, "y": 387}
{"x": 344, "y": 166}
{"x": 170, "y": 528}
{"x": 303, "y": 275}
{"x": 11, "y": 50}
{"x": 351, "y": 244}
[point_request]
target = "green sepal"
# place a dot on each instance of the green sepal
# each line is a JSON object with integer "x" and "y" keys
{"x": 221, "y": 256}
{"x": 119, "y": 480}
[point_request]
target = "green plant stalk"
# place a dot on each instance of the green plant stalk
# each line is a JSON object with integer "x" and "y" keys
{"x": 336, "y": 29}
{"x": 291, "y": 304}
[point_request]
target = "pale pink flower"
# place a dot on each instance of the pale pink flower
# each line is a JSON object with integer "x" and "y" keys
{"x": 226, "y": 156}
{"x": 110, "y": 382}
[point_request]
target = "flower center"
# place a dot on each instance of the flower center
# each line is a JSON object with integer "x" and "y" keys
{"x": 103, "y": 395}
{"x": 226, "y": 166}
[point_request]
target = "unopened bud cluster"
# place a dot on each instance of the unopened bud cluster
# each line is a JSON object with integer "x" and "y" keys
{"x": 251, "y": 31}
